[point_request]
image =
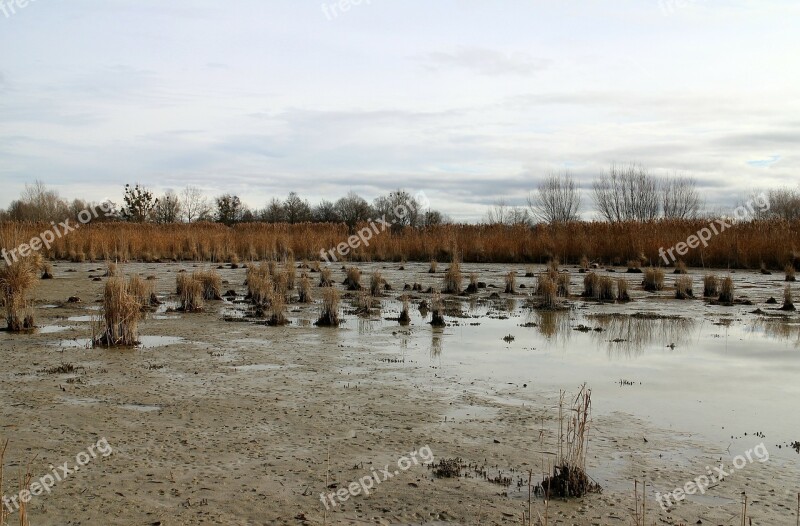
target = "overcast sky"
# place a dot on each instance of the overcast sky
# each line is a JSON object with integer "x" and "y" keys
{"x": 466, "y": 100}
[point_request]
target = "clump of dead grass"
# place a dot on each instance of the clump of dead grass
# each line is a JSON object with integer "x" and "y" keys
{"x": 726, "y": 290}
{"x": 142, "y": 290}
{"x": 622, "y": 290}
{"x": 329, "y": 309}
{"x": 680, "y": 267}
{"x": 590, "y": 285}
{"x": 305, "y": 289}
{"x": 653, "y": 279}
{"x": 437, "y": 310}
{"x": 605, "y": 289}
{"x": 683, "y": 288}
{"x": 190, "y": 293}
{"x": 121, "y": 315}
{"x": 211, "y": 283}
{"x": 405, "y": 317}
{"x": 710, "y": 286}
{"x": 325, "y": 277}
{"x": 453, "y": 279}
{"x": 788, "y": 305}
{"x": 376, "y": 283}
{"x": 16, "y": 280}
{"x": 353, "y": 279}
{"x": 434, "y": 265}
{"x": 789, "y": 271}
{"x": 511, "y": 282}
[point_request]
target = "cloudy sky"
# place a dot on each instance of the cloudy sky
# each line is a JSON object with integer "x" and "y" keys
{"x": 466, "y": 100}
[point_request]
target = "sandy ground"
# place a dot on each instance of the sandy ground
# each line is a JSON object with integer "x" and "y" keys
{"x": 200, "y": 438}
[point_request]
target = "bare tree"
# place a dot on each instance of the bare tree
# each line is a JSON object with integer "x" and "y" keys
{"x": 680, "y": 198}
{"x": 557, "y": 200}
{"x": 297, "y": 210}
{"x": 784, "y": 203}
{"x": 627, "y": 194}
{"x": 501, "y": 213}
{"x": 168, "y": 209}
{"x": 352, "y": 209}
{"x": 196, "y": 206}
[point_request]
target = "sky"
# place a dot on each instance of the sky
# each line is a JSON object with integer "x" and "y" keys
{"x": 469, "y": 101}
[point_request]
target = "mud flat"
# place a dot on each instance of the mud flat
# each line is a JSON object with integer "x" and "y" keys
{"x": 234, "y": 422}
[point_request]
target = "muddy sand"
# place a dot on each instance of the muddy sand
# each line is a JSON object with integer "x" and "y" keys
{"x": 233, "y": 422}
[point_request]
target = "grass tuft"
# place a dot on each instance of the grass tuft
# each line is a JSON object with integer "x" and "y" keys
{"x": 710, "y": 286}
{"x": 16, "y": 280}
{"x": 121, "y": 315}
{"x": 653, "y": 279}
{"x": 329, "y": 310}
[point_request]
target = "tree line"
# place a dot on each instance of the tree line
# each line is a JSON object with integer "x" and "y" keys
{"x": 623, "y": 193}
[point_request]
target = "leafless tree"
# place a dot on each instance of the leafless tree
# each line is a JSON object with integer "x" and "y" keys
{"x": 557, "y": 200}
{"x": 196, "y": 206}
{"x": 353, "y": 209}
{"x": 501, "y": 213}
{"x": 297, "y": 210}
{"x": 680, "y": 198}
{"x": 784, "y": 203}
{"x": 168, "y": 209}
{"x": 627, "y": 193}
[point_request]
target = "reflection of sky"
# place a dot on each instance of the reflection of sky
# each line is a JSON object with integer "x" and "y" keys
{"x": 717, "y": 381}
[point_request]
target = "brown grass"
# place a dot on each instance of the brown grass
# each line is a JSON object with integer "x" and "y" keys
{"x": 788, "y": 305}
{"x": 683, "y": 287}
{"x": 305, "y": 289}
{"x": 743, "y": 245}
{"x": 121, "y": 315}
{"x": 726, "y": 290}
{"x": 437, "y": 310}
{"x": 277, "y": 308}
{"x": 590, "y": 285}
{"x": 511, "y": 282}
{"x": 405, "y": 318}
{"x": 680, "y": 267}
{"x": 789, "y": 271}
{"x": 329, "y": 309}
{"x": 605, "y": 289}
{"x": 325, "y": 277}
{"x": 563, "y": 282}
{"x": 353, "y": 279}
{"x": 142, "y": 290}
{"x": 433, "y": 267}
{"x": 16, "y": 280}
{"x": 453, "y": 279}
{"x": 653, "y": 279}
{"x": 710, "y": 286}
{"x": 259, "y": 284}
{"x": 472, "y": 288}
{"x": 211, "y": 282}
{"x": 376, "y": 284}
{"x": 622, "y": 290}
{"x": 547, "y": 290}
{"x": 190, "y": 293}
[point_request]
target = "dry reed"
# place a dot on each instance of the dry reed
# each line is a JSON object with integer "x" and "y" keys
{"x": 405, "y": 317}
{"x": 325, "y": 277}
{"x": 726, "y": 290}
{"x": 211, "y": 283}
{"x": 16, "y": 280}
{"x": 305, "y": 289}
{"x": 329, "y": 309}
{"x": 453, "y": 279}
{"x": 653, "y": 279}
{"x": 563, "y": 283}
{"x": 605, "y": 289}
{"x": 683, "y": 287}
{"x": 353, "y": 279}
{"x": 590, "y": 285}
{"x": 710, "y": 286}
{"x": 376, "y": 284}
{"x": 622, "y": 290}
{"x": 190, "y": 293}
{"x": 789, "y": 271}
{"x": 121, "y": 315}
{"x": 788, "y": 305}
{"x": 437, "y": 310}
{"x": 472, "y": 288}
{"x": 511, "y": 282}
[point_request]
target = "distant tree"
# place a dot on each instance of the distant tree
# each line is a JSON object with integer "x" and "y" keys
{"x": 37, "y": 203}
{"x": 353, "y": 209}
{"x": 556, "y": 200}
{"x": 784, "y": 203}
{"x": 501, "y": 213}
{"x": 274, "y": 212}
{"x": 168, "y": 209}
{"x": 325, "y": 212}
{"x": 627, "y": 194}
{"x": 432, "y": 218}
{"x": 229, "y": 209}
{"x": 195, "y": 205}
{"x": 400, "y": 207}
{"x": 297, "y": 210}
{"x": 139, "y": 204}
{"x": 680, "y": 198}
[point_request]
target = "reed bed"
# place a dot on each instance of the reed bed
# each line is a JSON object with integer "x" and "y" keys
{"x": 121, "y": 315}
{"x": 653, "y": 279}
{"x": 743, "y": 245}
{"x": 16, "y": 281}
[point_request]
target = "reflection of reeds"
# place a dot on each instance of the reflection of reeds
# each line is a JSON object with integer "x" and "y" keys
{"x": 710, "y": 286}
{"x": 630, "y": 334}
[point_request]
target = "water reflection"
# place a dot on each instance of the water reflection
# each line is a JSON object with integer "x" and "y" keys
{"x": 553, "y": 325}
{"x": 436, "y": 343}
{"x": 631, "y": 334}
{"x": 777, "y": 328}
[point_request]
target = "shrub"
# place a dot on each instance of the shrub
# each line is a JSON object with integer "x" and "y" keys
{"x": 472, "y": 288}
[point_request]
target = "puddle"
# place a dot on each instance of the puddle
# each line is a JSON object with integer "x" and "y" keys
{"x": 255, "y": 367}
{"x": 82, "y": 318}
{"x": 50, "y": 329}
{"x": 140, "y": 407}
{"x": 149, "y": 342}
